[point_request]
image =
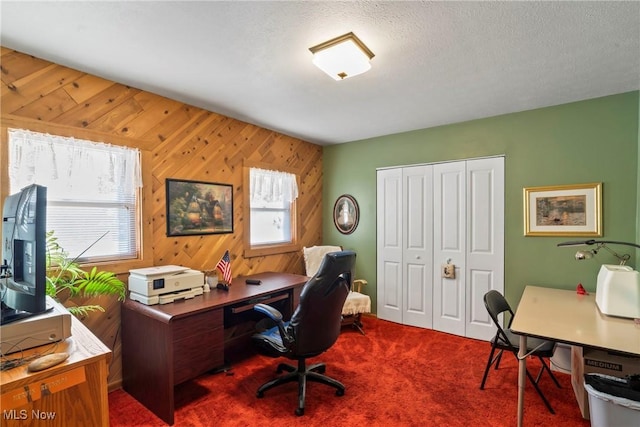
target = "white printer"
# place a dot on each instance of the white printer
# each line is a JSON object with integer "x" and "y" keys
{"x": 164, "y": 284}
{"x": 618, "y": 291}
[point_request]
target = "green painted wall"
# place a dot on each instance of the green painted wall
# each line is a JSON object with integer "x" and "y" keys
{"x": 582, "y": 142}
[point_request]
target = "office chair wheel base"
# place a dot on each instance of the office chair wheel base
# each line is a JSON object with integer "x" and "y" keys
{"x": 282, "y": 367}
{"x": 300, "y": 412}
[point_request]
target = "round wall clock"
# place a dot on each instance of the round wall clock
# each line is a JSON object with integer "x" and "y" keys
{"x": 346, "y": 214}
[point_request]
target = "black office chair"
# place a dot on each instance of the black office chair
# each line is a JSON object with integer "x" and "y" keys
{"x": 313, "y": 328}
{"x": 506, "y": 340}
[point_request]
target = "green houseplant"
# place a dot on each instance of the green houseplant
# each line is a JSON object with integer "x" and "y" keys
{"x": 64, "y": 276}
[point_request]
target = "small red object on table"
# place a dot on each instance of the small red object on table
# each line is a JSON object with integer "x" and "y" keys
{"x": 580, "y": 290}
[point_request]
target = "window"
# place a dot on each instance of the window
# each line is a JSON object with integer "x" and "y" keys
{"x": 272, "y": 213}
{"x": 92, "y": 191}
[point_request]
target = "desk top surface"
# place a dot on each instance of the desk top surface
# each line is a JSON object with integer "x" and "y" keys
{"x": 238, "y": 292}
{"x": 565, "y": 316}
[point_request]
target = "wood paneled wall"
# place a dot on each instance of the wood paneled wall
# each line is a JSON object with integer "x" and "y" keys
{"x": 178, "y": 141}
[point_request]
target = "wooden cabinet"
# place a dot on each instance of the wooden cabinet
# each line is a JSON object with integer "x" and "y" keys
{"x": 73, "y": 393}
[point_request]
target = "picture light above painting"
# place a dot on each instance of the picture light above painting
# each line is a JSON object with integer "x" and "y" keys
{"x": 196, "y": 207}
{"x": 563, "y": 210}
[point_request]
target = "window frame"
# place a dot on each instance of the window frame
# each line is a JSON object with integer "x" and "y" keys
{"x": 250, "y": 250}
{"x": 144, "y": 215}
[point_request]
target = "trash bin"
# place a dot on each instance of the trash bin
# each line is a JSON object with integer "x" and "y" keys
{"x": 612, "y": 401}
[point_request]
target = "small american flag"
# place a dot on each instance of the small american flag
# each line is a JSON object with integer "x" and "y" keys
{"x": 224, "y": 265}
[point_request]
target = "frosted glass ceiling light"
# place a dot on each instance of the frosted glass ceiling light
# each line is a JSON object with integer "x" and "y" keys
{"x": 343, "y": 57}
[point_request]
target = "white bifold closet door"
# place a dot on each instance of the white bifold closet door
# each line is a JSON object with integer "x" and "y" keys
{"x": 389, "y": 245}
{"x": 432, "y": 215}
{"x": 404, "y": 244}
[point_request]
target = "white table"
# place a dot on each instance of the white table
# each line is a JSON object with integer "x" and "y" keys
{"x": 568, "y": 317}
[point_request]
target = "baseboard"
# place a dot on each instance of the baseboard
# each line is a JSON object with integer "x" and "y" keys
{"x": 113, "y": 386}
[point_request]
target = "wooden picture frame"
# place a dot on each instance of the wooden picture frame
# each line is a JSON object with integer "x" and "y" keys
{"x": 346, "y": 214}
{"x": 197, "y": 207}
{"x": 563, "y": 210}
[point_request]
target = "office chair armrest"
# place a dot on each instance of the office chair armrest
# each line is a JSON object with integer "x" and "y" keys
{"x": 357, "y": 285}
{"x": 276, "y": 316}
{"x": 269, "y": 311}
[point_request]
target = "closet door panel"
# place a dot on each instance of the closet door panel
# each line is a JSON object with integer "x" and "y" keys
{"x": 449, "y": 246}
{"x": 392, "y": 298}
{"x": 485, "y": 242}
{"x": 417, "y": 254}
{"x": 451, "y": 301}
{"x": 416, "y": 301}
{"x": 389, "y": 245}
{"x": 480, "y": 282}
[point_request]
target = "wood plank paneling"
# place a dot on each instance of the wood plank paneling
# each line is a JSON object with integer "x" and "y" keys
{"x": 86, "y": 87}
{"x": 185, "y": 142}
{"x": 19, "y": 92}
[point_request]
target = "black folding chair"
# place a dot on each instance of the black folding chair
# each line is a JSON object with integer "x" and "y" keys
{"x": 506, "y": 340}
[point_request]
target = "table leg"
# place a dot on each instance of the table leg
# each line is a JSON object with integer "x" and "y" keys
{"x": 522, "y": 377}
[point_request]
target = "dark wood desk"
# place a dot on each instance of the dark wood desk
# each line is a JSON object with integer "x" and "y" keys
{"x": 165, "y": 345}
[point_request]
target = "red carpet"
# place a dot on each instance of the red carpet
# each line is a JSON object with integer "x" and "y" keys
{"x": 394, "y": 376}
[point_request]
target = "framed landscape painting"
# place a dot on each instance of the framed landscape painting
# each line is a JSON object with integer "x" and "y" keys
{"x": 196, "y": 207}
{"x": 563, "y": 210}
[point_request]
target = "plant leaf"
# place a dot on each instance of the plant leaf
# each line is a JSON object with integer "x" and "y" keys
{"x": 84, "y": 310}
{"x": 64, "y": 274}
{"x": 100, "y": 283}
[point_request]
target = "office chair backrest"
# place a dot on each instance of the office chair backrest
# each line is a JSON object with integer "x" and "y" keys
{"x": 317, "y": 320}
{"x": 496, "y": 305}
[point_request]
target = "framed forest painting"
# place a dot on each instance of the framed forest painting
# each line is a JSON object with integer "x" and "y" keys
{"x": 197, "y": 207}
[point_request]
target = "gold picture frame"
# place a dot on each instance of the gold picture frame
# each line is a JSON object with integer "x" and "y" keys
{"x": 563, "y": 210}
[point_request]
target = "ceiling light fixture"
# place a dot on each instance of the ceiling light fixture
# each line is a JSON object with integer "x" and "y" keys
{"x": 342, "y": 57}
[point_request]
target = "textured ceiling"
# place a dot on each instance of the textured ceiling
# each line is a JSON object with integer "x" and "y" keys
{"x": 435, "y": 62}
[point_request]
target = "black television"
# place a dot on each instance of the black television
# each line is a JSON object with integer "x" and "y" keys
{"x": 23, "y": 270}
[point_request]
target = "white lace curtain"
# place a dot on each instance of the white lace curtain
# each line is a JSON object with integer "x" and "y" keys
{"x": 72, "y": 167}
{"x": 272, "y": 188}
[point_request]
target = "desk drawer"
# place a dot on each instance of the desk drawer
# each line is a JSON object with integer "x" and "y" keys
{"x": 198, "y": 345}
{"x": 197, "y": 324}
